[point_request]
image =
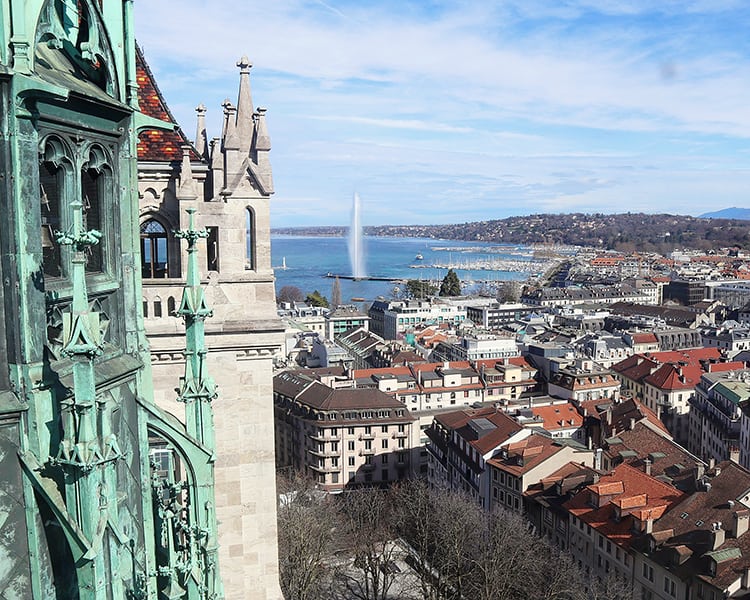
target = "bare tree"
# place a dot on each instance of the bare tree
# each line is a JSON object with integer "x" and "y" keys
{"x": 506, "y": 555}
{"x": 290, "y": 293}
{"x": 336, "y": 293}
{"x": 509, "y": 291}
{"x": 455, "y": 550}
{"x": 366, "y": 514}
{"x": 441, "y": 527}
{"x": 307, "y": 532}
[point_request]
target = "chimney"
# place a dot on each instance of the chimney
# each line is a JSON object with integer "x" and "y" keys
{"x": 649, "y": 526}
{"x": 718, "y": 536}
{"x": 711, "y": 463}
{"x": 647, "y": 466}
{"x": 740, "y": 521}
{"x": 745, "y": 577}
{"x": 734, "y": 454}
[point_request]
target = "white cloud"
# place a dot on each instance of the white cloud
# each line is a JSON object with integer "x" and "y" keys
{"x": 415, "y": 103}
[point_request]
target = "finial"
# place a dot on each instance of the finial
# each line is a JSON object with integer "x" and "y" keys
{"x": 244, "y": 64}
{"x": 201, "y": 109}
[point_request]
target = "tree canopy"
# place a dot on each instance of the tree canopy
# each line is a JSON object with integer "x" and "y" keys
{"x": 316, "y": 299}
{"x": 416, "y": 288}
{"x": 451, "y": 285}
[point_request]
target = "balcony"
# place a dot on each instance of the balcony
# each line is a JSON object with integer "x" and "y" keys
{"x": 367, "y": 452}
{"x": 368, "y": 467}
{"x": 325, "y": 469}
{"x": 366, "y": 436}
{"x": 318, "y": 437}
{"x": 400, "y": 434}
{"x": 324, "y": 453}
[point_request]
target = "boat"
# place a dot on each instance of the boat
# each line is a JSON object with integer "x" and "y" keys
{"x": 418, "y": 257}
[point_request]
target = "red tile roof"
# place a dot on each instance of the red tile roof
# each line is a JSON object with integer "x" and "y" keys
{"x": 670, "y": 377}
{"x": 157, "y": 145}
{"x": 629, "y": 483}
{"x": 558, "y": 416}
{"x": 644, "y": 338}
{"x": 505, "y": 427}
{"x": 527, "y": 454}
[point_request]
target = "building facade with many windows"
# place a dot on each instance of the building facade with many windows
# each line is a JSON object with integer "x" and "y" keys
{"x": 342, "y": 437}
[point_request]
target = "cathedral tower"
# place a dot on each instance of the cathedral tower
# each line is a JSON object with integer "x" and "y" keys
{"x": 227, "y": 183}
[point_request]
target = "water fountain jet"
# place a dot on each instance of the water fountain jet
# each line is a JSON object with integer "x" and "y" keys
{"x": 356, "y": 246}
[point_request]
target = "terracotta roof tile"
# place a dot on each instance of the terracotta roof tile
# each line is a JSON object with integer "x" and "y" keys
{"x": 157, "y": 145}
{"x": 631, "y": 482}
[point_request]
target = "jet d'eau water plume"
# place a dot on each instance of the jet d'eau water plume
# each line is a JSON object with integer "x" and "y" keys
{"x": 356, "y": 246}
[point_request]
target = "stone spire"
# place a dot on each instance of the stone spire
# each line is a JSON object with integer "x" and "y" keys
{"x": 245, "y": 124}
{"x": 217, "y": 168}
{"x": 260, "y": 150}
{"x": 186, "y": 190}
{"x": 225, "y": 124}
{"x": 201, "y": 140}
{"x": 231, "y": 137}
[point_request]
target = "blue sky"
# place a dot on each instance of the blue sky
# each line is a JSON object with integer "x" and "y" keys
{"x": 453, "y": 111}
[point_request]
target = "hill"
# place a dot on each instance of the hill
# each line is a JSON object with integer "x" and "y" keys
{"x": 728, "y": 213}
{"x": 625, "y": 232}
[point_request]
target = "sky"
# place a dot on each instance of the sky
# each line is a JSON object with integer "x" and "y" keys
{"x": 440, "y": 112}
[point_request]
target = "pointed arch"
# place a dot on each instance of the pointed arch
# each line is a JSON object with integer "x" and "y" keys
{"x": 250, "y": 239}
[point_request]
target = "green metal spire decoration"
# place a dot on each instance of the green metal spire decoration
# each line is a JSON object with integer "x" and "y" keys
{"x": 188, "y": 522}
{"x": 88, "y": 446}
{"x": 83, "y": 446}
{"x": 197, "y": 389}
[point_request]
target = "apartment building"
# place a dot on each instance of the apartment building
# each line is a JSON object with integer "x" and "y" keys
{"x": 343, "y": 318}
{"x": 519, "y": 465}
{"x": 665, "y": 382}
{"x": 342, "y": 437}
{"x": 496, "y": 315}
{"x": 461, "y": 443}
{"x": 579, "y": 384}
{"x": 719, "y": 426}
{"x": 731, "y": 337}
{"x": 698, "y": 549}
{"x": 392, "y": 320}
{"x": 476, "y": 345}
{"x": 506, "y": 380}
{"x": 607, "y": 516}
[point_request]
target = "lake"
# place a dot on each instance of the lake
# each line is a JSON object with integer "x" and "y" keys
{"x": 310, "y": 259}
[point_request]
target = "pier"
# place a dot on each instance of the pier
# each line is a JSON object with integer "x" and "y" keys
{"x": 365, "y": 278}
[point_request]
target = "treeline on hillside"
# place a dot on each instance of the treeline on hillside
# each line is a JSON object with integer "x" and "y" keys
{"x": 625, "y": 232}
{"x": 358, "y": 544}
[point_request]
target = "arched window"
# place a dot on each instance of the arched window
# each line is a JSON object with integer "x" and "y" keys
{"x": 50, "y": 190}
{"x": 170, "y": 306}
{"x": 145, "y": 309}
{"x": 153, "y": 250}
{"x": 157, "y": 307}
{"x": 92, "y": 184}
{"x": 249, "y": 239}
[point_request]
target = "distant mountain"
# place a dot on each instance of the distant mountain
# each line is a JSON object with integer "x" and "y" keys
{"x": 728, "y": 213}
